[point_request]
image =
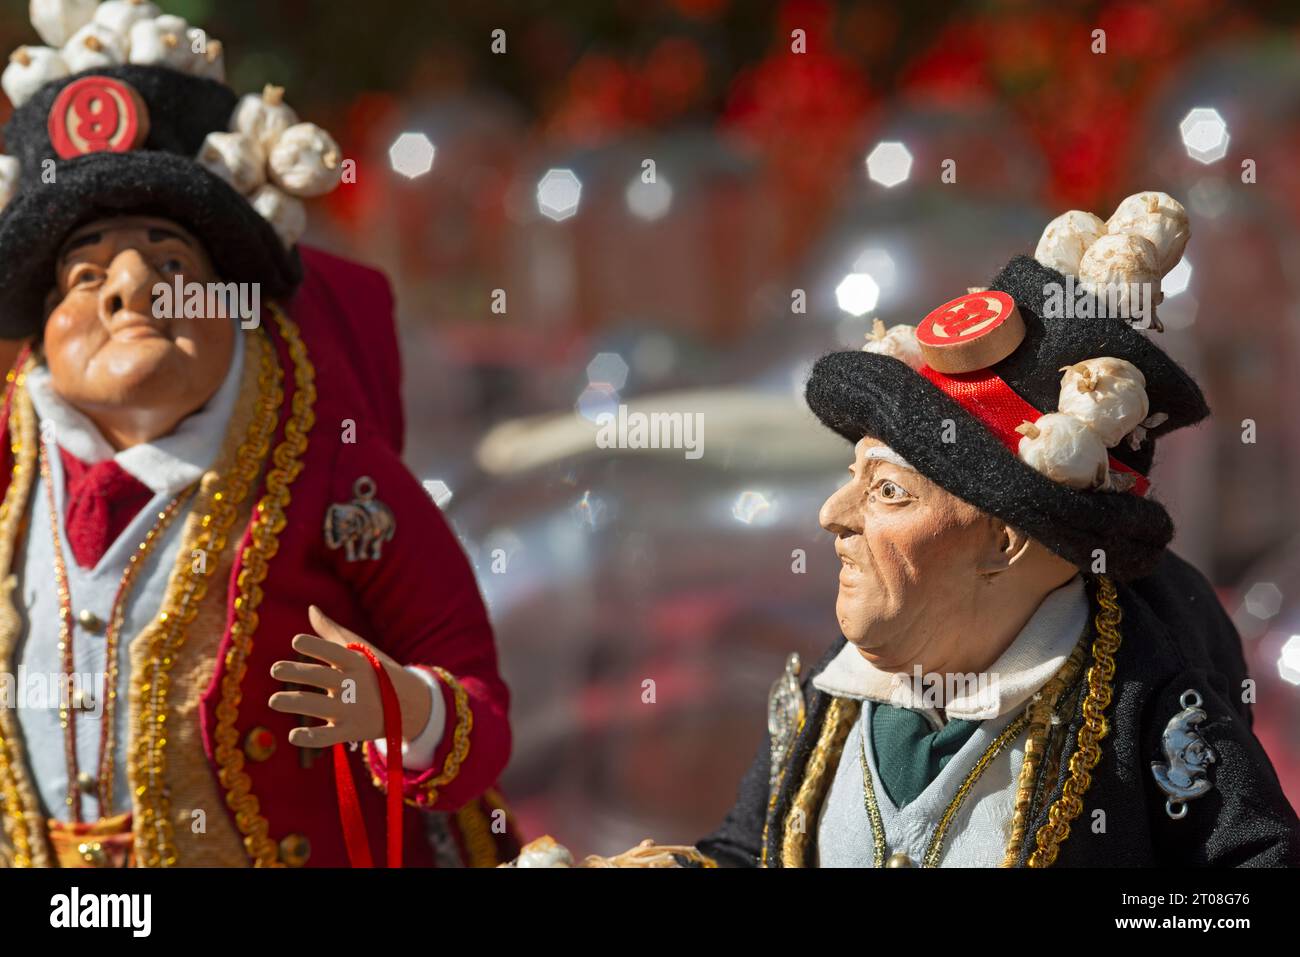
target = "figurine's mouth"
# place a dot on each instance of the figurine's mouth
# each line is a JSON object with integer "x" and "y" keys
{"x": 135, "y": 326}
{"x": 848, "y": 563}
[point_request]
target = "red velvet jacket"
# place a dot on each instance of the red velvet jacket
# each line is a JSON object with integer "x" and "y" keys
{"x": 419, "y": 602}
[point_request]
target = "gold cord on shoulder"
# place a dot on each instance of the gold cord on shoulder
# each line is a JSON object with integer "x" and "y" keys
{"x": 1095, "y": 727}
{"x": 801, "y": 819}
{"x": 26, "y": 850}
{"x": 1040, "y": 712}
{"x": 218, "y": 502}
{"x": 269, "y": 521}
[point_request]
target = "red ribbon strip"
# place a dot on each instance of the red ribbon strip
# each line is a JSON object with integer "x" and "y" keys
{"x": 984, "y": 395}
{"x": 354, "y": 825}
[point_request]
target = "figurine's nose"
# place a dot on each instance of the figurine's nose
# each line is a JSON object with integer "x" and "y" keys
{"x": 129, "y": 286}
{"x": 838, "y": 513}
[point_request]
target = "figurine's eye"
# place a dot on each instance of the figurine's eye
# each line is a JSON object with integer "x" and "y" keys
{"x": 173, "y": 266}
{"x": 85, "y": 274}
{"x": 891, "y": 491}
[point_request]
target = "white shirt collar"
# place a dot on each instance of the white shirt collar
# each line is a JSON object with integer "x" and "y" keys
{"x": 167, "y": 464}
{"x": 1037, "y": 653}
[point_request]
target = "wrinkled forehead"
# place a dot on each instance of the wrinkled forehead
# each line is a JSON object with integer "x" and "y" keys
{"x": 869, "y": 449}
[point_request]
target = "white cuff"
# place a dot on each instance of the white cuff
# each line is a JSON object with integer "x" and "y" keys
{"x": 417, "y": 755}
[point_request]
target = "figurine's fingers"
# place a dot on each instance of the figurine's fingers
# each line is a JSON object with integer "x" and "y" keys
{"x": 311, "y": 704}
{"x": 305, "y": 673}
{"x": 329, "y": 652}
{"x": 320, "y": 736}
{"x": 330, "y": 629}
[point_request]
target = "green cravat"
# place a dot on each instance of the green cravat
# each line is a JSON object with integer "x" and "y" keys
{"x": 909, "y": 753}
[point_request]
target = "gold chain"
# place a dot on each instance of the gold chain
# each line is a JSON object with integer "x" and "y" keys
{"x": 67, "y": 720}
{"x": 934, "y": 850}
{"x": 1095, "y": 727}
{"x": 264, "y": 542}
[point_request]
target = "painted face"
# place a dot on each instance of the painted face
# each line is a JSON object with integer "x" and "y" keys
{"x": 109, "y": 355}
{"x": 906, "y": 547}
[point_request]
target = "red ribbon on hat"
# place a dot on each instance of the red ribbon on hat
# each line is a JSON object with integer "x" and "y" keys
{"x": 354, "y": 825}
{"x": 984, "y": 395}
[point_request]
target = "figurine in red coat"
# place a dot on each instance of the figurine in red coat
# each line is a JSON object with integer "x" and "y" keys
{"x": 204, "y": 505}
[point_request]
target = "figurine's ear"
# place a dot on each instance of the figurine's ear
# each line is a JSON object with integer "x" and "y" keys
{"x": 1006, "y": 548}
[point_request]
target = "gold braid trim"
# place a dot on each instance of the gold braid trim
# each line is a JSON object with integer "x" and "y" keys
{"x": 1095, "y": 727}
{"x": 802, "y": 816}
{"x": 218, "y": 503}
{"x": 1040, "y": 712}
{"x": 476, "y": 832}
{"x": 264, "y": 542}
{"x": 776, "y": 789}
{"x": 18, "y": 805}
{"x": 428, "y": 795}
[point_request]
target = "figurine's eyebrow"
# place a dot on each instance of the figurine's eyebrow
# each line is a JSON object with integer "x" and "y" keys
{"x": 89, "y": 239}
{"x": 162, "y": 235}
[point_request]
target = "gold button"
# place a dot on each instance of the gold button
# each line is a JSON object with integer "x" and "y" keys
{"x": 260, "y": 744}
{"x": 90, "y": 621}
{"x": 86, "y": 782}
{"x": 92, "y": 852}
{"x": 899, "y": 859}
{"x": 294, "y": 850}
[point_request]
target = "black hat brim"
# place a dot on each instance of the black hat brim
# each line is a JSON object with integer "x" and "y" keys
{"x": 242, "y": 245}
{"x": 858, "y": 394}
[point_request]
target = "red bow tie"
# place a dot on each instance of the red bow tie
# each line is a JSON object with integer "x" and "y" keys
{"x": 102, "y": 499}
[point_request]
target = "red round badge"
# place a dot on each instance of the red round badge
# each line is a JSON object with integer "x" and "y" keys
{"x": 971, "y": 332}
{"x": 97, "y": 114}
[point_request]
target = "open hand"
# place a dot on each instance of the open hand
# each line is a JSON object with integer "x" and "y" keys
{"x": 343, "y": 690}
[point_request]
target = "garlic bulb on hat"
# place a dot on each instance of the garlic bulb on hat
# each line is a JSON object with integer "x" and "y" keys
{"x": 1066, "y": 238}
{"x": 122, "y": 15}
{"x": 210, "y": 61}
{"x": 1156, "y": 217}
{"x": 10, "y": 171}
{"x": 899, "y": 341}
{"x": 29, "y": 69}
{"x": 161, "y": 41}
{"x": 1065, "y": 450}
{"x": 287, "y": 215}
{"x": 94, "y": 46}
{"x": 306, "y": 161}
{"x": 264, "y": 117}
{"x": 1109, "y": 395}
{"x": 57, "y": 20}
{"x": 235, "y": 158}
{"x": 1113, "y": 264}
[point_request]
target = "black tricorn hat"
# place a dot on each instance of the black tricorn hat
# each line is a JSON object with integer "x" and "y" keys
{"x": 861, "y": 393}
{"x": 160, "y": 178}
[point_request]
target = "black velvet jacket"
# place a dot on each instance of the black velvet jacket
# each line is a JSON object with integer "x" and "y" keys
{"x": 1175, "y": 636}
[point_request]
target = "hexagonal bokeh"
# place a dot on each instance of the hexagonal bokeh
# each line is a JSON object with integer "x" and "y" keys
{"x": 889, "y": 163}
{"x": 857, "y": 294}
{"x": 1176, "y": 279}
{"x": 609, "y": 368}
{"x": 750, "y": 506}
{"x": 558, "y": 194}
{"x": 438, "y": 490}
{"x": 412, "y": 154}
{"x": 596, "y": 400}
{"x": 1205, "y": 134}
{"x": 1288, "y": 662}
{"x": 1264, "y": 600}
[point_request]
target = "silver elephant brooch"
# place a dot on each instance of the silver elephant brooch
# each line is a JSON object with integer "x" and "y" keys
{"x": 360, "y": 527}
{"x": 1182, "y": 775}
